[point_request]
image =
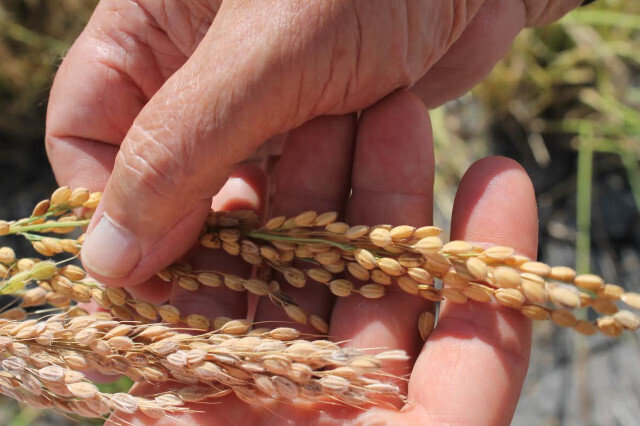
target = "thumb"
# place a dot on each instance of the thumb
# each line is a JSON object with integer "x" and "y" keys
{"x": 140, "y": 228}
{"x": 178, "y": 153}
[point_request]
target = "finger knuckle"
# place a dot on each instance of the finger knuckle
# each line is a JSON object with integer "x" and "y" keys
{"x": 150, "y": 164}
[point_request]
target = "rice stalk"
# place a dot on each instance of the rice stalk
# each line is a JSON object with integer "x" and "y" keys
{"x": 42, "y": 358}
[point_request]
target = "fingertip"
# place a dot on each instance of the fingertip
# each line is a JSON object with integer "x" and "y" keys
{"x": 119, "y": 256}
{"x": 496, "y": 203}
{"x": 110, "y": 251}
{"x": 246, "y": 189}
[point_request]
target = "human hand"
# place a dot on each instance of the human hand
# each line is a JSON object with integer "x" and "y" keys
{"x": 473, "y": 365}
{"x": 162, "y": 100}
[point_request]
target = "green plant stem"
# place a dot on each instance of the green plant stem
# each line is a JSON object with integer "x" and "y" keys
{"x": 583, "y": 213}
{"x": 633, "y": 172}
{"x": 272, "y": 237}
{"x": 17, "y": 229}
{"x": 47, "y": 215}
{"x": 10, "y": 28}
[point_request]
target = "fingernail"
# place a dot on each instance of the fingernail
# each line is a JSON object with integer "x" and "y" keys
{"x": 110, "y": 250}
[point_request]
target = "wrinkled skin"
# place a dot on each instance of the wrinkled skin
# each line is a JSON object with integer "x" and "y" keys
{"x": 158, "y": 101}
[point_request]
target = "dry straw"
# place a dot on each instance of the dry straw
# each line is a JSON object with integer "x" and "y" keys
{"x": 42, "y": 358}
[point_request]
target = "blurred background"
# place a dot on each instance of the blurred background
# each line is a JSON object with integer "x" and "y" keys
{"x": 565, "y": 103}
